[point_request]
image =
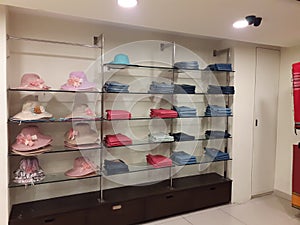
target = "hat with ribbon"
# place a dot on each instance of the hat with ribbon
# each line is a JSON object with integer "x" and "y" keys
{"x": 82, "y": 166}
{"x": 81, "y": 134}
{"x": 32, "y": 81}
{"x": 29, "y": 171}
{"x": 30, "y": 138}
{"x": 81, "y": 112}
{"x": 32, "y": 110}
{"x": 78, "y": 81}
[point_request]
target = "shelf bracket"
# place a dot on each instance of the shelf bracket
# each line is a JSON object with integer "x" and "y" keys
{"x": 97, "y": 40}
{"x": 163, "y": 46}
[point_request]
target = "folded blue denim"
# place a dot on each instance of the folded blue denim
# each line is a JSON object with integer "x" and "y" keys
{"x": 189, "y": 65}
{"x": 219, "y": 67}
{"x": 213, "y": 89}
{"x": 217, "y": 134}
{"x": 183, "y": 158}
{"x": 216, "y": 154}
{"x": 156, "y": 87}
{"x": 184, "y": 111}
{"x": 115, "y": 166}
{"x": 182, "y": 137}
{"x": 214, "y": 110}
{"x": 113, "y": 86}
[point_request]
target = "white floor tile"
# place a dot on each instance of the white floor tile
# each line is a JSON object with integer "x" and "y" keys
{"x": 212, "y": 217}
{"x": 163, "y": 221}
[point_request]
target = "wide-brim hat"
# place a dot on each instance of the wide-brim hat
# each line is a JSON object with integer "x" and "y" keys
{"x": 81, "y": 134}
{"x": 81, "y": 112}
{"x": 30, "y": 139}
{"x": 33, "y": 152}
{"x": 78, "y": 81}
{"x": 82, "y": 147}
{"x": 32, "y": 110}
{"x": 82, "y": 166}
{"x": 32, "y": 81}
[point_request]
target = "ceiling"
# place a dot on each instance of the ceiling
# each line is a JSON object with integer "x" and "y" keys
{"x": 211, "y": 18}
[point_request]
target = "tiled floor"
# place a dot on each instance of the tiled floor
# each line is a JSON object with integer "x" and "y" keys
{"x": 266, "y": 210}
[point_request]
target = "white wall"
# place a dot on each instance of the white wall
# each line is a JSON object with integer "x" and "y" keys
{"x": 3, "y": 121}
{"x": 285, "y": 132}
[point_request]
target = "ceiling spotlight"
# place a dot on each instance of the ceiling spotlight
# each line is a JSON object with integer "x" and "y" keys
{"x": 240, "y": 24}
{"x": 253, "y": 20}
{"x": 127, "y": 3}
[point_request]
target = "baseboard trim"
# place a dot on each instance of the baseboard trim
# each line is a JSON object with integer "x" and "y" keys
{"x": 283, "y": 195}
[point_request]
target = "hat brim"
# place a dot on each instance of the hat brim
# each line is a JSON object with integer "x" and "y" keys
{"x": 89, "y": 138}
{"x": 31, "y": 116}
{"x": 41, "y": 142}
{"x": 80, "y": 172}
{"x": 85, "y": 86}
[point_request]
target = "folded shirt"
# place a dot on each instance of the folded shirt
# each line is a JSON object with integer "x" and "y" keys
{"x": 216, "y": 154}
{"x": 182, "y": 137}
{"x": 217, "y": 134}
{"x": 219, "y": 67}
{"x": 162, "y": 87}
{"x": 213, "y": 89}
{"x": 163, "y": 113}
{"x": 114, "y": 86}
{"x": 189, "y": 65}
{"x": 215, "y": 110}
{"x": 160, "y": 137}
{"x": 117, "y": 114}
{"x": 115, "y": 166}
{"x": 158, "y": 161}
{"x": 184, "y": 111}
{"x": 117, "y": 140}
{"x": 183, "y": 158}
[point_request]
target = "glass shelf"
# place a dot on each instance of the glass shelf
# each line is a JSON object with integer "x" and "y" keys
{"x": 52, "y": 120}
{"x": 60, "y": 149}
{"x": 54, "y": 91}
{"x": 53, "y": 178}
{"x": 144, "y": 166}
{"x": 158, "y": 93}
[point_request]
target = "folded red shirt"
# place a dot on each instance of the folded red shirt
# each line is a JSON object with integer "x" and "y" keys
{"x": 163, "y": 113}
{"x": 113, "y": 140}
{"x": 117, "y": 114}
{"x": 158, "y": 161}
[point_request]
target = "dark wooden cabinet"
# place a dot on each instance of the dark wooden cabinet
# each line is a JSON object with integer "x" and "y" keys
{"x": 127, "y": 205}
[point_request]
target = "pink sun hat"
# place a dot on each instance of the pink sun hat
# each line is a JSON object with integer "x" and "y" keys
{"x": 32, "y": 81}
{"x": 32, "y": 110}
{"x": 78, "y": 81}
{"x": 81, "y": 112}
{"x": 81, "y": 134}
{"x": 82, "y": 166}
{"x": 30, "y": 138}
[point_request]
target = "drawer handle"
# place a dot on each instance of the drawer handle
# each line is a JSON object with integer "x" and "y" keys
{"x": 117, "y": 207}
{"x": 49, "y": 220}
{"x": 212, "y": 188}
{"x": 169, "y": 196}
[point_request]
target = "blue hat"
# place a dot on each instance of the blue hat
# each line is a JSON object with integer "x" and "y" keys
{"x": 121, "y": 59}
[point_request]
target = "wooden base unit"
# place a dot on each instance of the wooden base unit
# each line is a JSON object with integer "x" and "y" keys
{"x": 127, "y": 205}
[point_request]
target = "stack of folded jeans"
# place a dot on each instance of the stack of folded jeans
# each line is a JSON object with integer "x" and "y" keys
{"x": 115, "y": 87}
{"x": 183, "y": 158}
{"x": 117, "y": 114}
{"x": 164, "y": 88}
{"x": 158, "y": 161}
{"x": 184, "y": 89}
{"x": 219, "y": 67}
{"x": 216, "y": 155}
{"x": 184, "y": 111}
{"x": 215, "y": 110}
{"x": 160, "y": 137}
{"x": 189, "y": 65}
{"x": 182, "y": 137}
{"x": 114, "y": 140}
{"x": 163, "y": 113}
{"x": 214, "y": 89}
{"x": 217, "y": 134}
{"x": 115, "y": 166}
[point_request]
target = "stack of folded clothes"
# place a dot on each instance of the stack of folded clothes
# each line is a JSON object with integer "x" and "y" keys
{"x": 182, "y": 137}
{"x": 219, "y": 67}
{"x": 183, "y": 158}
{"x": 188, "y": 65}
{"x": 160, "y": 137}
{"x": 217, "y": 134}
{"x": 115, "y": 87}
{"x": 156, "y": 87}
{"x": 163, "y": 113}
{"x": 216, "y": 154}
{"x": 115, "y": 166}
{"x": 158, "y": 161}
{"x": 184, "y": 111}
{"x": 214, "y": 89}
{"x": 117, "y": 114}
{"x": 184, "y": 89}
{"x": 114, "y": 140}
{"x": 215, "y": 110}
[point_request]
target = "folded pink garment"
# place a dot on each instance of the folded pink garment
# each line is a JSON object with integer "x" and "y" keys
{"x": 163, "y": 113}
{"x": 117, "y": 114}
{"x": 117, "y": 140}
{"x": 158, "y": 161}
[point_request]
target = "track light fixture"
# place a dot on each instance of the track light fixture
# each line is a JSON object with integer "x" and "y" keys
{"x": 253, "y": 20}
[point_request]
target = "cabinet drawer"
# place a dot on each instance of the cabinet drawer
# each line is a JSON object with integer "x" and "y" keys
{"x": 74, "y": 218}
{"x": 167, "y": 204}
{"x": 127, "y": 212}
